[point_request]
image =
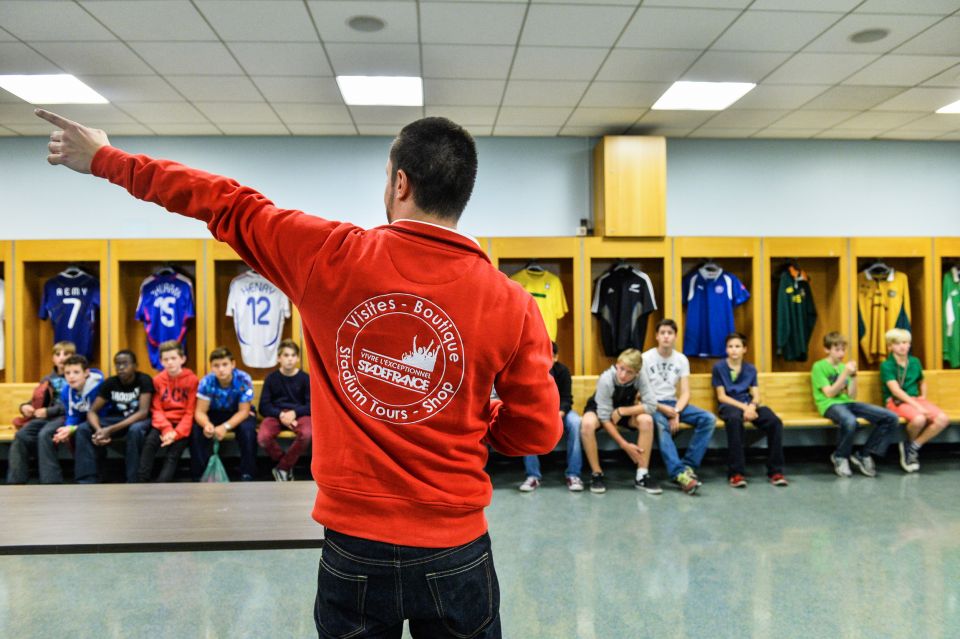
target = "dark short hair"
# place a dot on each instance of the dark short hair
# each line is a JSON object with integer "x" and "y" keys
{"x": 290, "y": 344}
{"x": 128, "y": 352}
{"x": 75, "y": 360}
{"x": 439, "y": 158}
{"x": 736, "y": 335}
{"x": 171, "y": 345}
{"x": 666, "y": 321}
{"x": 220, "y": 352}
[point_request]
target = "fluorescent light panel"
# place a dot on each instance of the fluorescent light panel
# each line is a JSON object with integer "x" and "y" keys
{"x": 701, "y": 96}
{"x": 378, "y": 90}
{"x": 953, "y": 107}
{"x": 51, "y": 89}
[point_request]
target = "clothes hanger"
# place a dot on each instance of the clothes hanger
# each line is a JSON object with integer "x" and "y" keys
{"x": 533, "y": 267}
{"x": 709, "y": 268}
{"x": 73, "y": 270}
{"x": 878, "y": 269}
{"x": 621, "y": 263}
{"x": 166, "y": 269}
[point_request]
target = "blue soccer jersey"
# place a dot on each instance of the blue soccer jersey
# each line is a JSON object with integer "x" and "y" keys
{"x": 710, "y": 297}
{"x": 165, "y": 305}
{"x": 70, "y": 302}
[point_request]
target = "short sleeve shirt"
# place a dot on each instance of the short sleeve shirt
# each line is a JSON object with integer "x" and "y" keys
{"x": 663, "y": 373}
{"x": 909, "y": 376}
{"x": 124, "y": 400}
{"x": 823, "y": 374}
{"x": 739, "y": 388}
{"x": 547, "y": 290}
{"x": 239, "y": 391}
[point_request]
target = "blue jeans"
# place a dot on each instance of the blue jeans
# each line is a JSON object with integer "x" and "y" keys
{"x": 366, "y": 589}
{"x": 88, "y": 455}
{"x": 35, "y": 436}
{"x": 884, "y": 422}
{"x": 571, "y": 426}
{"x": 703, "y": 423}
{"x": 201, "y": 447}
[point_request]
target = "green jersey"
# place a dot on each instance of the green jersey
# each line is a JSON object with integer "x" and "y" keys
{"x": 909, "y": 376}
{"x": 796, "y": 315}
{"x": 951, "y": 317}
{"x": 823, "y": 374}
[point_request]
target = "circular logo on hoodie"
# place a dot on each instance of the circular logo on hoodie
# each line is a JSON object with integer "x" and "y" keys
{"x": 399, "y": 358}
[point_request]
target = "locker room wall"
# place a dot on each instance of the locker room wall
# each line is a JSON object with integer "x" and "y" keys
{"x": 526, "y": 186}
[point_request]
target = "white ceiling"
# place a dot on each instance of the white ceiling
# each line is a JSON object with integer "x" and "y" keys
{"x": 499, "y": 67}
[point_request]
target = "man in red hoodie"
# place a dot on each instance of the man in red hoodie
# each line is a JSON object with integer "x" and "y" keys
{"x": 408, "y": 326}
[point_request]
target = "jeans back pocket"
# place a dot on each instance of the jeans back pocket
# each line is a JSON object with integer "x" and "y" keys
{"x": 339, "y": 607}
{"x": 466, "y": 597}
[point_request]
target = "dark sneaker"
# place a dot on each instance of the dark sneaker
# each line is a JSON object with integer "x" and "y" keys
{"x": 280, "y": 475}
{"x": 529, "y": 484}
{"x": 841, "y": 466}
{"x": 777, "y": 479}
{"x": 687, "y": 483}
{"x": 738, "y": 481}
{"x": 864, "y": 464}
{"x": 596, "y": 484}
{"x": 649, "y": 484}
{"x": 909, "y": 458}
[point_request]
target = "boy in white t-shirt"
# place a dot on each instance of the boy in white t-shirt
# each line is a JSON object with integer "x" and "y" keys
{"x": 664, "y": 368}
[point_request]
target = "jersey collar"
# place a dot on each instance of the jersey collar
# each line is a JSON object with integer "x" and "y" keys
{"x": 439, "y": 233}
{"x": 889, "y": 276}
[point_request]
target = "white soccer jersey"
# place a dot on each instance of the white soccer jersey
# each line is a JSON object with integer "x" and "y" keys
{"x": 258, "y": 309}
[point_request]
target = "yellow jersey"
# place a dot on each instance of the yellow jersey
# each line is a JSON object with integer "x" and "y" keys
{"x": 882, "y": 304}
{"x": 547, "y": 290}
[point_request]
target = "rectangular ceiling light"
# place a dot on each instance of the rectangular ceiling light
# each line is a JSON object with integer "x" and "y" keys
{"x": 701, "y": 96}
{"x": 953, "y": 107}
{"x": 50, "y": 89}
{"x": 379, "y": 90}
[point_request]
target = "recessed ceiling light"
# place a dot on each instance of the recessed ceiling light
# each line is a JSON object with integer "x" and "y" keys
{"x": 378, "y": 90}
{"x": 701, "y": 96}
{"x": 51, "y": 89}
{"x": 953, "y": 107}
{"x": 869, "y": 35}
{"x": 366, "y": 24}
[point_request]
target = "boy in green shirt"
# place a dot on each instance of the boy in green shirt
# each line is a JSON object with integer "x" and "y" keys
{"x": 905, "y": 394}
{"x": 835, "y": 391}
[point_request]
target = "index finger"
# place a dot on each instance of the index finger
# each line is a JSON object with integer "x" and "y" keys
{"x": 53, "y": 118}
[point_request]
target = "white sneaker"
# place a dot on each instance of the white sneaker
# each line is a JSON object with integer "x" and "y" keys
{"x": 529, "y": 484}
{"x": 841, "y": 466}
{"x": 574, "y": 484}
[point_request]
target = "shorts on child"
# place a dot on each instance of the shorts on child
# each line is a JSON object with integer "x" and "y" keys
{"x": 908, "y": 411}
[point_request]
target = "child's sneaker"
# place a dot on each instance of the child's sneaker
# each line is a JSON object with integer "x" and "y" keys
{"x": 596, "y": 484}
{"x": 841, "y": 466}
{"x": 909, "y": 458}
{"x": 687, "y": 483}
{"x": 574, "y": 484}
{"x": 777, "y": 479}
{"x": 649, "y": 484}
{"x": 738, "y": 481}
{"x": 693, "y": 473}
{"x": 280, "y": 474}
{"x": 864, "y": 464}
{"x": 529, "y": 484}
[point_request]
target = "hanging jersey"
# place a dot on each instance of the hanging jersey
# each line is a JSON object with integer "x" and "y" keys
{"x": 258, "y": 309}
{"x": 796, "y": 315}
{"x": 165, "y": 305}
{"x": 882, "y": 304}
{"x": 2, "y": 319}
{"x": 623, "y": 300}
{"x": 70, "y": 302}
{"x": 710, "y": 300}
{"x": 547, "y": 290}
{"x": 951, "y": 317}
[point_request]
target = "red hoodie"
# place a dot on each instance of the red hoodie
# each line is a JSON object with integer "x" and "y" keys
{"x": 408, "y": 327}
{"x": 174, "y": 402}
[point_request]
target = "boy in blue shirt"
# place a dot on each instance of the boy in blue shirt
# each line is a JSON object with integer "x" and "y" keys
{"x": 224, "y": 403}
{"x": 83, "y": 385}
{"x": 738, "y": 394}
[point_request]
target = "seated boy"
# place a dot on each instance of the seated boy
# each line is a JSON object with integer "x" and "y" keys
{"x": 665, "y": 369}
{"x": 173, "y": 407}
{"x": 83, "y": 385}
{"x": 835, "y": 391}
{"x": 905, "y": 394}
{"x": 224, "y": 399}
{"x": 38, "y": 421}
{"x": 571, "y": 426}
{"x": 122, "y": 408}
{"x": 285, "y": 402}
{"x": 738, "y": 394}
{"x": 623, "y": 399}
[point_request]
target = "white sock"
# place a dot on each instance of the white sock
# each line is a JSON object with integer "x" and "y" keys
{"x": 641, "y": 473}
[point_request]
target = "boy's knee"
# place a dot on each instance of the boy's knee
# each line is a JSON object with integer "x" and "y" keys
{"x": 589, "y": 423}
{"x": 918, "y": 421}
{"x": 644, "y": 423}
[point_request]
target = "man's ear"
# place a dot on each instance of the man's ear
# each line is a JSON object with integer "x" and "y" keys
{"x": 401, "y": 185}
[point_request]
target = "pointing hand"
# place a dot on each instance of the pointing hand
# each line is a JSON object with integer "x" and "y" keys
{"x": 74, "y": 145}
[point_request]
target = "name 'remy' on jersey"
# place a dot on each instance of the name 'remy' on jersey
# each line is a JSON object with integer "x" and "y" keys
{"x": 70, "y": 302}
{"x": 258, "y": 309}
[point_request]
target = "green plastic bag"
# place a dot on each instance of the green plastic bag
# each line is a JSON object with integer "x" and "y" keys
{"x": 215, "y": 473}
